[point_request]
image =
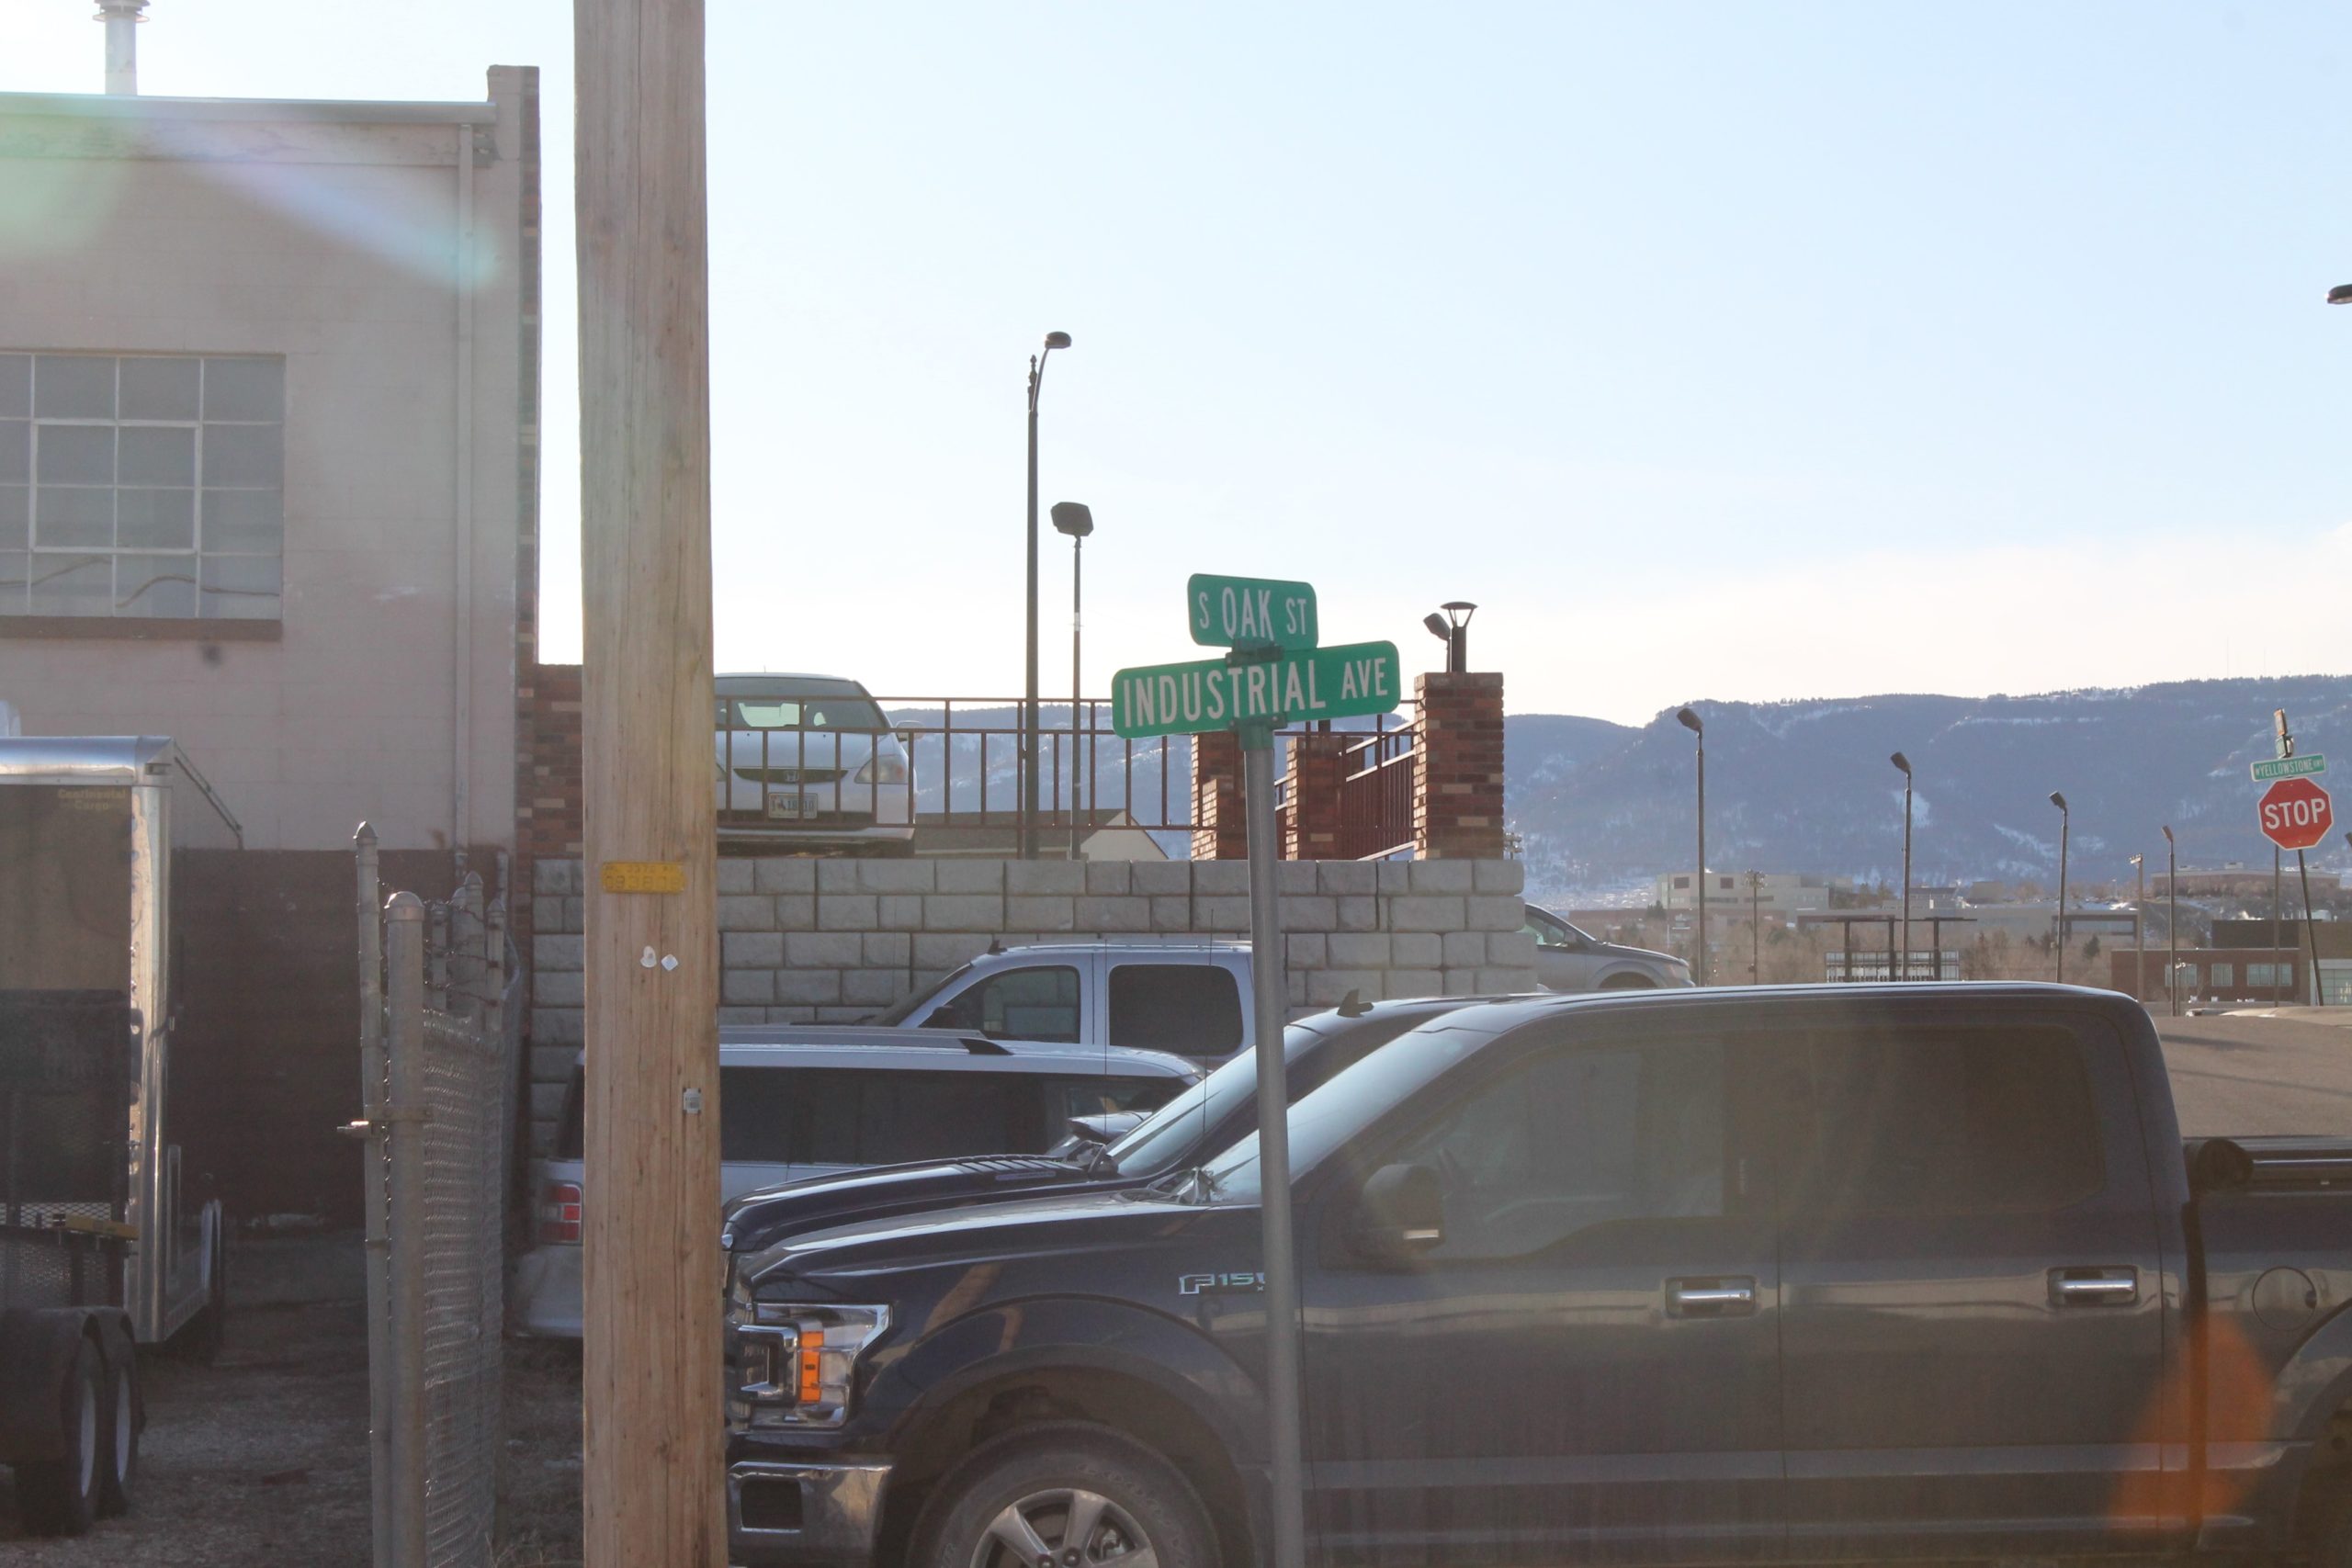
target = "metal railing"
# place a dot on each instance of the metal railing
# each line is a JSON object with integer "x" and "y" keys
{"x": 439, "y": 1042}
{"x": 1376, "y": 795}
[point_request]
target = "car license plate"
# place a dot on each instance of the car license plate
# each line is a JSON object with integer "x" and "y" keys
{"x": 785, "y": 807}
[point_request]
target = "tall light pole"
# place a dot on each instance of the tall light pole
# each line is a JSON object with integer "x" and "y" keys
{"x": 2172, "y": 924}
{"x": 1029, "y": 691}
{"x": 1755, "y": 928}
{"x": 1690, "y": 721}
{"x": 2139, "y": 931}
{"x": 2065, "y": 827}
{"x": 1072, "y": 518}
{"x": 1903, "y": 765}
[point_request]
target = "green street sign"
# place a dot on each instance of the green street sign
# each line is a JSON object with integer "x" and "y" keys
{"x": 1249, "y": 612}
{"x": 2289, "y": 768}
{"x": 1346, "y": 682}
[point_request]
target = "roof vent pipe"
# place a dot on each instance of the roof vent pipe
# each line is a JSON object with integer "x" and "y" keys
{"x": 123, "y": 18}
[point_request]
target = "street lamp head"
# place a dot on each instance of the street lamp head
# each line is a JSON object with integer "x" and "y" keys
{"x": 1056, "y": 340}
{"x": 2167, "y": 835}
{"x": 1438, "y": 629}
{"x": 1690, "y": 721}
{"x": 1458, "y": 612}
{"x": 2137, "y": 859}
{"x": 1071, "y": 517}
{"x": 2340, "y": 295}
{"x": 2057, "y": 800}
{"x": 1902, "y": 764}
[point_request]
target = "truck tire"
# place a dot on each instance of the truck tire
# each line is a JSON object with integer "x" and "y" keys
{"x": 1012, "y": 1504}
{"x": 60, "y": 1497}
{"x": 119, "y": 1451}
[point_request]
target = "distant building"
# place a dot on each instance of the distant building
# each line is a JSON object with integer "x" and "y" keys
{"x": 2236, "y": 880}
{"x": 1782, "y": 893}
{"x": 2243, "y": 967}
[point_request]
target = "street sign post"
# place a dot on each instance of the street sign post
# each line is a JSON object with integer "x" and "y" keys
{"x": 1274, "y": 675}
{"x": 2295, "y": 813}
{"x": 2289, "y": 768}
{"x": 1351, "y": 680}
{"x": 1249, "y": 612}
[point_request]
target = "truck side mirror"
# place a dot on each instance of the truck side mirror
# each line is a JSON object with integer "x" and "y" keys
{"x": 1400, "y": 1213}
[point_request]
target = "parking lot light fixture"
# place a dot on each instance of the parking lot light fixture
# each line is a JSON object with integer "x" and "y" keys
{"x": 1072, "y": 518}
{"x": 2065, "y": 826}
{"x": 1689, "y": 719}
{"x": 1450, "y": 624}
{"x": 2172, "y": 923}
{"x": 2340, "y": 295}
{"x": 1028, "y": 845}
{"x": 1903, "y": 765}
{"x": 2140, "y": 930}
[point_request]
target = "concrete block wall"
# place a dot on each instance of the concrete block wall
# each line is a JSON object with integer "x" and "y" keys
{"x": 836, "y": 941}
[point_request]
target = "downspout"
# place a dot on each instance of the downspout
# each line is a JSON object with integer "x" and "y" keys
{"x": 462, "y": 608}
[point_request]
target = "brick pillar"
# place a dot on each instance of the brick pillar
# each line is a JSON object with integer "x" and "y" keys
{"x": 1458, "y": 779}
{"x": 1311, "y": 825}
{"x": 1220, "y": 830}
{"x": 548, "y": 785}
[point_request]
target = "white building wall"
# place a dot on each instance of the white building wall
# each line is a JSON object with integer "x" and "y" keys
{"x": 326, "y": 233}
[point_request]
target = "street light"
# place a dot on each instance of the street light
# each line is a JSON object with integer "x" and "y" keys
{"x": 2172, "y": 924}
{"x": 1450, "y": 624}
{"x": 2340, "y": 295}
{"x": 1903, "y": 765}
{"x": 1072, "y": 518}
{"x": 2065, "y": 827}
{"x": 1690, "y": 721}
{"x": 2140, "y": 931}
{"x": 1029, "y": 702}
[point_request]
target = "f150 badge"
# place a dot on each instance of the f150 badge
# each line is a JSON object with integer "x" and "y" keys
{"x": 1217, "y": 1285}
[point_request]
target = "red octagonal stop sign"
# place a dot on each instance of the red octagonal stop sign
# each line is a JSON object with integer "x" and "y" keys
{"x": 2295, "y": 814}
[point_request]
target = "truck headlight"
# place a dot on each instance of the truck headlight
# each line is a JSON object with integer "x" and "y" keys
{"x": 793, "y": 1365}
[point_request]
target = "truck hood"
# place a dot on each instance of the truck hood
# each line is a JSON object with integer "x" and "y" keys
{"x": 758, "y": 1220}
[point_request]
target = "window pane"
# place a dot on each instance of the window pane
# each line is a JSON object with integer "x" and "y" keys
{"x": 1576, "y": 1138}
{"x": 74, "y": 454}
{"x": 1951, "y": 1121}
{"x": 72, "y": 385}
{"x": 73, "y": 585}
{"x": 160, "y": 388}
{"x": 1025, "y": 1004}
{"x": 16, "y": 516}
{"x": 154, "y": 585}
{"x": 73, "y": 517}
{"x": 755, "y": 1114}
{"x": 155, "y": 519}
{"x": 245, "y": 388}
{"x": 16, "y": 385}
{"x": 907, "y": 1116}
{"x": 242, "y": 454}
{"x": 1191, "y": 1007}
{"x": 16, "y": 451}
{"x": 244, "y": 521}
{"x": 241, "y": 588}
{"x": 12, "y": 581}
{"x": 158, "y": 456}
{"x": 824, "y": 1115}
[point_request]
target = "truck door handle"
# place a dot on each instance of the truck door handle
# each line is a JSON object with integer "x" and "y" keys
{"x": 2094, "y": 1287}
{"x": 1719, "y": 1297}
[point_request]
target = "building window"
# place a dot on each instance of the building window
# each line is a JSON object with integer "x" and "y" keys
{"x": 1681, "y": 882}
{"x": 147, "y": 486}
{"x": 2224, "y": 977}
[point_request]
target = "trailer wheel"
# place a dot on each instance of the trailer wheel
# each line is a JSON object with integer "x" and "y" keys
{"x": 118, "y": 1458}
{"x": 60, "y": 1496}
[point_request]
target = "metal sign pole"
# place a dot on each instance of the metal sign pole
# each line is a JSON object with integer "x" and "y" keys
{"x": 1267, "y": 984}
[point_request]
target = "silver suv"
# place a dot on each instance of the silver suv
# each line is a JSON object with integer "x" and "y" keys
{"x": 1567, "y": 959}
{"x": 810, "y": 760}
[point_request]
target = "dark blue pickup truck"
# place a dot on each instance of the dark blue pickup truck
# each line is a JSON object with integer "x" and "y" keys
{"x": 1852, "y": 1274}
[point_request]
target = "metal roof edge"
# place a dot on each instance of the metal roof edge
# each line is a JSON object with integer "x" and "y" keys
{"x": 321, "y": 112}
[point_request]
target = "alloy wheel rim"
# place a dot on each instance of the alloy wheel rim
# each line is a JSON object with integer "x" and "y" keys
{"x": 1064, "y": 1527}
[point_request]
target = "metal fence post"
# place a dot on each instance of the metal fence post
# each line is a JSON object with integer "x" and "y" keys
{"x": 404, "y": 941}
{"x": 375, "y": 1193}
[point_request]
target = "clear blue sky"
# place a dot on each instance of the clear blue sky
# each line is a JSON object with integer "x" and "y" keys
{"x": 1715, "y": 351}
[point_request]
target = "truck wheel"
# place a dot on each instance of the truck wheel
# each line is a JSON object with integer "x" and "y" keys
{"x": 60, "y": 1497}
{"x": 118, "y": 1458}
{"x": 1069, "y": 1496}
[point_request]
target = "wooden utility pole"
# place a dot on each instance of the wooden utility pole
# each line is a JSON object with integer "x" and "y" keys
{"x": 654, "y": 1440}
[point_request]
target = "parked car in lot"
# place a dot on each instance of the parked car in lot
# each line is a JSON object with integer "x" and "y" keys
{"x": 1844, "y": 1274}
{"x": 1190, "y": 1127}
{"x": 1567, "y": 959}
{"x": 817, "y": 1101}
{"x": 810, "y": 761}
{"x": 1188, "y": 997}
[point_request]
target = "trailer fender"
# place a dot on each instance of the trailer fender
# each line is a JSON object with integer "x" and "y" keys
{"x": 37, "y": 1349}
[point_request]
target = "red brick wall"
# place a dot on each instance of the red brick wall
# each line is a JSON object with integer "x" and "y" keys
{"x": 1311, "y": 825}
{"x": 546, "y": 783}
{"x": 1458, "y": 795}
{"x": 1223, "y": 830}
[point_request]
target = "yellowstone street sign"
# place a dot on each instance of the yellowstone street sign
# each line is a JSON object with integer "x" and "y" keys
{"x": 1346, "y": 682}
{"x": 1249, "y": 612}
{"x": 2304, "y": 767}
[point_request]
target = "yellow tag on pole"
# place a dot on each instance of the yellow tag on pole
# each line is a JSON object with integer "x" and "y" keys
{"x": 642, "y": 876}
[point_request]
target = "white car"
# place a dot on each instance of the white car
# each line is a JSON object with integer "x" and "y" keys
{"x": 1567, "y": 959}
{"x": 811, "y": 760}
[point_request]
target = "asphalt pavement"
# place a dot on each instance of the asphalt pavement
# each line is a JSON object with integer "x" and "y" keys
{"x": 2273, "y": 1071}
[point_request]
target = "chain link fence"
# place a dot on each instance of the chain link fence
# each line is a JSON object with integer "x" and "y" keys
{"x": 440, "y": 1021}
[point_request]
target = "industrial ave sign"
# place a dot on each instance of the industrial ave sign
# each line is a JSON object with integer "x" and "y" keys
{"x": 1347, "y": 682}
{"x": 2295, "y": 813}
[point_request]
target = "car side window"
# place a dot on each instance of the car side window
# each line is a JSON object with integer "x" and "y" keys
{"x": 1577, "y": 1137}
{"x": 1036, "y": 1003}
{"x": 1547, "y": 932}
{"x": 1067, "y": 1098}
{"x": 1948, "y": 1120}
{"x": 1194, "y": 1008}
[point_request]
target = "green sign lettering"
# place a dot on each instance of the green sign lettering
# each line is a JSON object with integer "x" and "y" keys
{"x": 1249, "y": 612}
{"x": 1346, "y": 682}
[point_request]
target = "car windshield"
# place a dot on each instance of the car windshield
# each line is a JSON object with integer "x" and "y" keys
{"x": 803, "y": 712}
{"x": 1327, "y": 1118}
{"x": 907, "y": 1007}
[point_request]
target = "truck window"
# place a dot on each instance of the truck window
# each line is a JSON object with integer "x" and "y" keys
{"x": 1194, "y": 1008}
{"x": 1577, "y": 1137}
{"x": 887, "y": 1116}
{"x": 1949, "y": 1121}
{"x": 1035, "y": 1003}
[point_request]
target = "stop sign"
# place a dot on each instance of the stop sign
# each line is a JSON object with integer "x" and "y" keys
{"x": 2295, "y": 814}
